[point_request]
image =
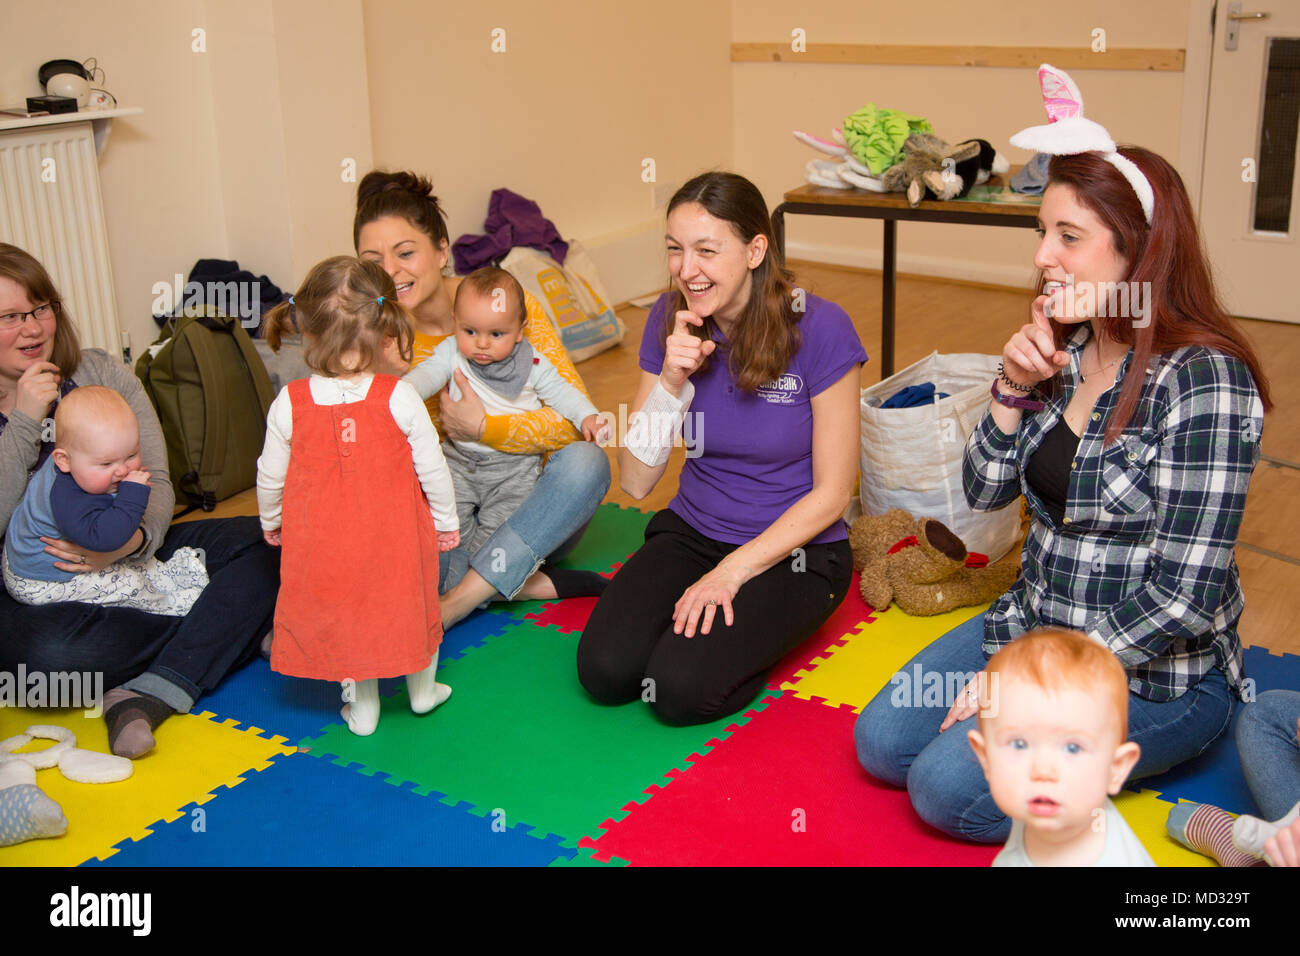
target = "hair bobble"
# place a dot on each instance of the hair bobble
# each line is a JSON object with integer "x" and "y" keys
{"x": 291, "y": 300}
{"x": 380, "y": 300}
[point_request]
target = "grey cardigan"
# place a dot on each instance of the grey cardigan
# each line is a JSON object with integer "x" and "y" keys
{"x": 20, "y": 445}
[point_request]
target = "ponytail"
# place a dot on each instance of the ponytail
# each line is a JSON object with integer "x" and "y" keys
{"x": 278, "y": 323}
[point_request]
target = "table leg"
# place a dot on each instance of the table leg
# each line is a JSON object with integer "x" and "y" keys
{"x": 887, "y": 300}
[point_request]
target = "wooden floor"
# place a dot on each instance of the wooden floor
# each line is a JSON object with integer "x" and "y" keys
{"x": 965, "y": 317}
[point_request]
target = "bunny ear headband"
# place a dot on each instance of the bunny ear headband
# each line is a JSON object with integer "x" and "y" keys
{"x": 1067, "y": 132}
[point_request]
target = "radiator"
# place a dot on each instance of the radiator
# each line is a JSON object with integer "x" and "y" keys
{"x": 53, "y": 210}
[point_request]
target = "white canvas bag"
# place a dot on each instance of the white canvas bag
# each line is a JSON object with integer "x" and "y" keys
{"x": 911, "y": 457}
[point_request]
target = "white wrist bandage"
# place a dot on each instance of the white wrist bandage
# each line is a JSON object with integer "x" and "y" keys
{"x": 650, "y": 432}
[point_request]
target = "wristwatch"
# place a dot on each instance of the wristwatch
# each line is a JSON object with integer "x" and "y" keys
{"x": 1012, "y": 401}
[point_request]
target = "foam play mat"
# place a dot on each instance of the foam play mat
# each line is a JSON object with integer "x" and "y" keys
{"x": 522, "y": 768}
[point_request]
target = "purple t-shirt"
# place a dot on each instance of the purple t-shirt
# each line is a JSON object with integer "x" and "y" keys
{"x": 755, "y": 448}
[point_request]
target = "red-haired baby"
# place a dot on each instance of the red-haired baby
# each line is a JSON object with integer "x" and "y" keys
{"x": 1052, "y": 736}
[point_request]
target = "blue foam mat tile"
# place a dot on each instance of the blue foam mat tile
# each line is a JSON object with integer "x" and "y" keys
{"x": 470, "y": 633}
{"x": 1215, "y": 777}
{"x": 295, "y": 707}
{"x": 292, "y": 707}
{"x": 306, "y": 812}
{"x": 1271, "y": 671}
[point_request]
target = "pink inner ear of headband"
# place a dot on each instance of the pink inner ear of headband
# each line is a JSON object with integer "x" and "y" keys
{"x": 1061, "y": 98}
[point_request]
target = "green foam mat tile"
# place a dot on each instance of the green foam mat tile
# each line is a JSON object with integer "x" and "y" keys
{"x": 613, "y": 534}
{"x": 583, "y": 858}
{"x": 522, "y": 741}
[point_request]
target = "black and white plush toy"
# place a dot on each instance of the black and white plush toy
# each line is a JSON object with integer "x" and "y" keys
{"x": 932, "y": 169}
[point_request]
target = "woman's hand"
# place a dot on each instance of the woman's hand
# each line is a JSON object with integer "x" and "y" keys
{"x": 462, "y": 420}
{"x": 273, "y": 538}
{"x": 448, "y": 540}
{"x": 684, "y": 352}
{"x": 1031, "y": 355}
{"x": 716, "y": 589}
{"x": 76, "y": 559}
{"x": 966, "y": 705}
{"x": 37, "y": 389}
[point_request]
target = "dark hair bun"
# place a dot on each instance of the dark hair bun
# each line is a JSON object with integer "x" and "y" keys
{"x": 403, "y": 193}
{"x": 380, "y": 181}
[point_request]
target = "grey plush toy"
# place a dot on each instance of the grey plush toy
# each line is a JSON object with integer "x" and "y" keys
{"x": 930, "y": 164}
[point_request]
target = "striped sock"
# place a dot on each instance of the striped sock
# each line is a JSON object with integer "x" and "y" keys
{"x": 1208, "y": 830}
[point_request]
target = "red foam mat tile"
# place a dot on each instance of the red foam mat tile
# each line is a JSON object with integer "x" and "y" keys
{"x": 784, "y": 790}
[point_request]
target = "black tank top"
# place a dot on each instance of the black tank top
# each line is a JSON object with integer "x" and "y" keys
{"x": 1048, "y": 469}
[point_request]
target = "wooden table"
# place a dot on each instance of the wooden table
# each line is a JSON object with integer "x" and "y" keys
{"x": 811, "y": 200}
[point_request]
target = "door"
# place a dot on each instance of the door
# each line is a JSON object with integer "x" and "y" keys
{"x": 1250, "y": 193}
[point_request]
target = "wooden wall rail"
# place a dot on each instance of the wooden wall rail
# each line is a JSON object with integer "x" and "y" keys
{"x": 1067, "y": 58}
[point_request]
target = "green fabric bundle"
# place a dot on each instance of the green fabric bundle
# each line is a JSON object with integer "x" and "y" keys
{"x": 876, "y": 136}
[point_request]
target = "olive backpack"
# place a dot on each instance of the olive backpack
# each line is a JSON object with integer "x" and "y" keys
{"x": 212, "y": 393}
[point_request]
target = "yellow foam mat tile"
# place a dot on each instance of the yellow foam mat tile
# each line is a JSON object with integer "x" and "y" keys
{"x": 872, "y": 654}
{"x": 194, "y": 756}
{"x": 1146, "y": 813}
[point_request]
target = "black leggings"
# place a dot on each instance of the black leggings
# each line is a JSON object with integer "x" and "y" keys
{"x": 630, "y": 638}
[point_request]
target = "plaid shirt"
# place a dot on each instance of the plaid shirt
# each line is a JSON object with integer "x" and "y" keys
{"x": 1143, "y": 561}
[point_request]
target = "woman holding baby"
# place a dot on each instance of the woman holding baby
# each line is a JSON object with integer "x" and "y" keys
{"x": 1133, "y": 439}
{"x": 400, "y": 225}
{"x": 157, "y": 664}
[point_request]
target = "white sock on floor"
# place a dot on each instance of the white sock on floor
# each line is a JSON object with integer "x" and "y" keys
{"x": 424, "y": 691}
{"x": 1249, "y": 834}
{"x": 362, "y": 714}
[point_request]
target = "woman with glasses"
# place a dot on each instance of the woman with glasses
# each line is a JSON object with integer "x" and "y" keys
{"x": 156, "y": 665}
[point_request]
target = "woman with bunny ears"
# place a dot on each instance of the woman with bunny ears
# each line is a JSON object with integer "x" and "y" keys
{"x": 1128, "y": 412}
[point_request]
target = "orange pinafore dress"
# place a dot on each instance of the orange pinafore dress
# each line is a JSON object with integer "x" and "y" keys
{"x": 359, "y": 566}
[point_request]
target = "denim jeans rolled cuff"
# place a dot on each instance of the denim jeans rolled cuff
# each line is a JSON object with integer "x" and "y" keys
{"x": 168, "y": 686}
{"x": 506, "y": 561}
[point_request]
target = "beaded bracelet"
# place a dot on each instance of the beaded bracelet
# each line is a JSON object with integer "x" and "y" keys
{"x": 1002, "y": 376}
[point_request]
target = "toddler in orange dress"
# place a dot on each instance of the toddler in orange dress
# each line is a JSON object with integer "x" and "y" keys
{"x": 352, "y": 484}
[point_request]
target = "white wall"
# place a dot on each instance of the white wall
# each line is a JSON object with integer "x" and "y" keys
{"x": 240, "y": 150}
{"x": 584, "y": 92}
{"x": 237, "y": 154}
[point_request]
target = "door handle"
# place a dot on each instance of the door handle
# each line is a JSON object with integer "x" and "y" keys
{"x": 1235, "y": 16}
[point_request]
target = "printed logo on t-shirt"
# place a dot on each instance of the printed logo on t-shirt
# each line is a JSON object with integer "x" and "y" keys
{"x": 783, "y": 390}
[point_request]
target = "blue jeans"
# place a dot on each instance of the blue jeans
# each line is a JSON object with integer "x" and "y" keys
{"x": 175, "y": 659}
{"x": 1270, "y": 753}
{"x": 900, "y": 743}
{"x": 549, "y": 522}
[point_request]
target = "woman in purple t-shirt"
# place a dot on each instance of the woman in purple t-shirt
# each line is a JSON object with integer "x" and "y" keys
{"x": 761, "y": 381}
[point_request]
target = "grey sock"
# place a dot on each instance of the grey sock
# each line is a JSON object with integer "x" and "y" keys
{"x": 27, "y": 813}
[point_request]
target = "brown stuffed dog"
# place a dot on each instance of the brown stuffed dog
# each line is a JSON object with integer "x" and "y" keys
{"x": 920, "y": 565}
